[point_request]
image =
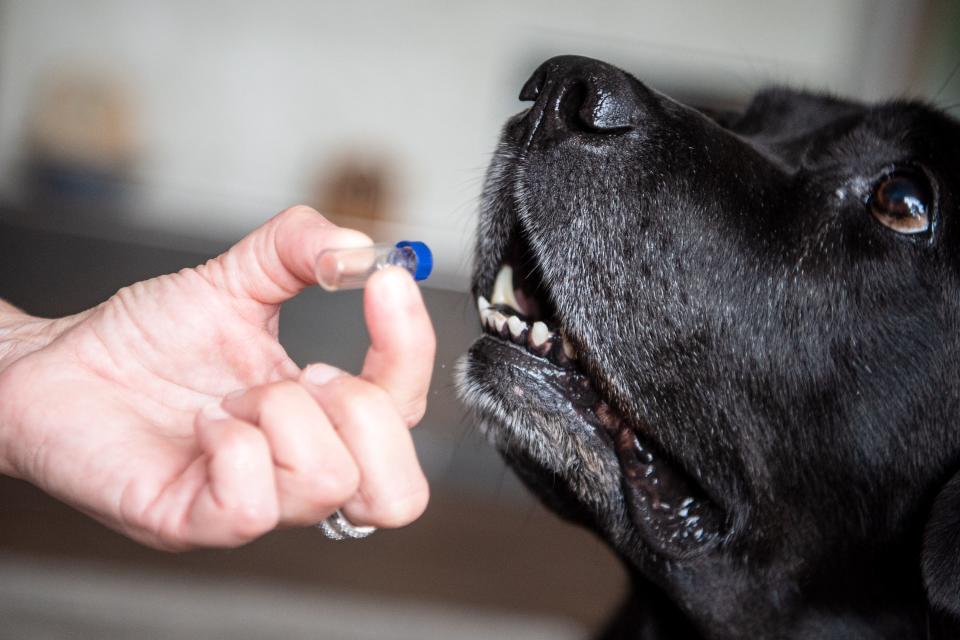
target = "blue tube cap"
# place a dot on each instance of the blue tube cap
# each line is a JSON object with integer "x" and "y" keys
{"x": 424, "y": 258}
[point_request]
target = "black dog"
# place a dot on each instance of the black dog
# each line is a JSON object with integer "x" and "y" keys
{"x": 729, "y": 344}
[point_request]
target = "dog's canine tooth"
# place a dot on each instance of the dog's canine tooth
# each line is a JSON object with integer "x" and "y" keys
{"x": 516, "y": 326}
{"x": 568, "y": 349}
{"x": 503, "y": 288}
{"x": 482, "y": 305}
{"x": 539, "y": 334}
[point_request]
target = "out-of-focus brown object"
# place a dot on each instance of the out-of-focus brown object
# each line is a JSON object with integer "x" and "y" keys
{"x": 83, "y": 119}
{"x": 359, "y": 189}
{"x": 81, "y": 138}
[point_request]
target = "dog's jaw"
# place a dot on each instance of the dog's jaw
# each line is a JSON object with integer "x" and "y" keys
{"x": 527, "y": 417}
{"x": 542, "y": 408}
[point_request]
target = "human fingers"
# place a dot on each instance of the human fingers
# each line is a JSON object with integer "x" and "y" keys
{"x": 393, "y": 491}
{"x": 237, "y": 502}
{"x": 276, "y": 261}
{"x": 315, "y": 472}
{"x": 402, "y": 341}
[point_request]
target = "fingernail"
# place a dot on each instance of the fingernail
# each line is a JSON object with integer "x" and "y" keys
{"x": 214, "y": 412}
{"x": 320, "y": 374}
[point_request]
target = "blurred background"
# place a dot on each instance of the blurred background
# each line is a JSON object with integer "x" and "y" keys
{"x": 139, "y": 137}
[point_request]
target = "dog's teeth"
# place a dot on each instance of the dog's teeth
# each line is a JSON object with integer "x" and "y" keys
{"x": 503, "y": 288}
{"x": 516, "y": 326}
{"x": 539, "y": 334}
{"x": 568, "y": 349}
{"x": 486, "y": 313}
{"x": 499, "y": 320}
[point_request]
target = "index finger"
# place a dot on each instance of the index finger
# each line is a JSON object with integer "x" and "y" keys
{"x": 402, "y": 341}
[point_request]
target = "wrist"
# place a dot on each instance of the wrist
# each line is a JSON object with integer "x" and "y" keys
{"x": 18, "y": 332}
{"x": 10, "y": 319}
{"x": 11, "y": 324}
{"x": 20, "y": 335}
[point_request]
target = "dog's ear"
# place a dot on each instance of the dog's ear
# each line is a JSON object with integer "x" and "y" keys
{"x": 941, "y": 559}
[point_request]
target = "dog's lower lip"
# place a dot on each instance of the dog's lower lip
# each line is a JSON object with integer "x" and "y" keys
{"x": 673, "y": 514}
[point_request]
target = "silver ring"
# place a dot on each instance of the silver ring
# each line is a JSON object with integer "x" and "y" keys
{"x": 337, "y": 527}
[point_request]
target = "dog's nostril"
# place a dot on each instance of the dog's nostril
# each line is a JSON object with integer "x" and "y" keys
{"x": 582, "y": 95}
{"x": 595, "y": 106}
{"x": 608, "y": 112}
{"x": 531, "y": 89}
{"x": 571, "y": 104}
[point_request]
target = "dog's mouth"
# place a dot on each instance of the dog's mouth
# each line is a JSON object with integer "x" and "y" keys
{"x": 524, "y": 330}
{"x": 519, "y": 309}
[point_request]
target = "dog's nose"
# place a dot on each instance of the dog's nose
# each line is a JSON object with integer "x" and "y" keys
{"x": 573, "y": 93}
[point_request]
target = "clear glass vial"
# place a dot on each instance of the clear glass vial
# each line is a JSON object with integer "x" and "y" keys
{"x": 350, "y": 268}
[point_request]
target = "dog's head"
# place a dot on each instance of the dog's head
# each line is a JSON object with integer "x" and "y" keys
{"x": 729, "y": 343}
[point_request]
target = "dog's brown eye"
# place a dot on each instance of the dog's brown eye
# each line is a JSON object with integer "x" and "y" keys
{"x": 901, "y": 201}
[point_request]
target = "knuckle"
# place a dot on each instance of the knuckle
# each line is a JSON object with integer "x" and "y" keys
{"x": 333, "y": 485}
{"x": 250, "y": 522}
{"x": 364, "y": 403}
{"x": 174, "y": 545}
{"x": 280, "y": 394}
{"x": 399, "y": 510}
{"x": 236, "y": 441}
{"x": 298, "y": 212}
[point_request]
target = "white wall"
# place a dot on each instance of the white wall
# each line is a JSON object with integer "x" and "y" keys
{"x": 241, "y": 100}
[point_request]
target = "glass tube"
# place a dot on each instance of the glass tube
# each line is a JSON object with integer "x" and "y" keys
{"x": 350, "y": 268}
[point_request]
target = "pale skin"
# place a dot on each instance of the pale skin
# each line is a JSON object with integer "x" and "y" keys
{"x": 172, "y": 414}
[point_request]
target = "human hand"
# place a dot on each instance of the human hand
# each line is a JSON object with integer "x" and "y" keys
{"x": 120, "y": 410}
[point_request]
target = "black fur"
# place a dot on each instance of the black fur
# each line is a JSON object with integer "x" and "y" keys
{"x": 789, "y": 361}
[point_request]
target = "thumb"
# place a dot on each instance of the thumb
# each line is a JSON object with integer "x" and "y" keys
{"x": 276, "y": 261}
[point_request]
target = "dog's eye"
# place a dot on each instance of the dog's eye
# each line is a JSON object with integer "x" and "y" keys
{"x": 901, "y": 201}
